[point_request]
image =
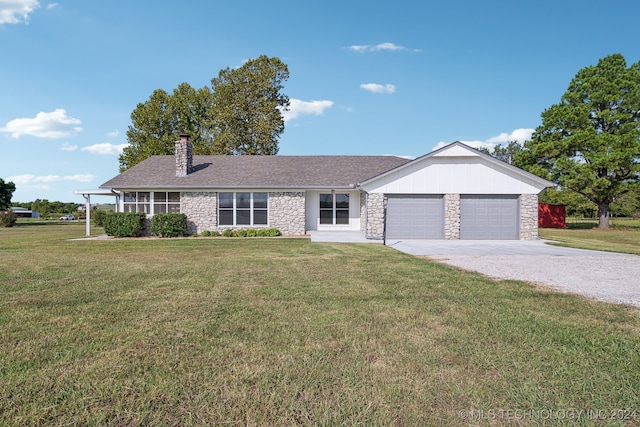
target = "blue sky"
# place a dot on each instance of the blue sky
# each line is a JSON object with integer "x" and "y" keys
{"x": 384, "y": 77}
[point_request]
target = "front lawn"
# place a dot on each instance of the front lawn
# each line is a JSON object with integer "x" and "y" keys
{"x": 220, "y": 331}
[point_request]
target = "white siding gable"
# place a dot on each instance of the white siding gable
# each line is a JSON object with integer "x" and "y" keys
{"x": 456, "y": 169}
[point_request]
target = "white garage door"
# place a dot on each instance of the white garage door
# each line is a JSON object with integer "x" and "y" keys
{"x": 489, "y": 217}
{"x": 415, "y": 217}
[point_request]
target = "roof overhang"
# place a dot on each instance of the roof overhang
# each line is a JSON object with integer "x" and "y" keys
{"x": 97, "y": 192}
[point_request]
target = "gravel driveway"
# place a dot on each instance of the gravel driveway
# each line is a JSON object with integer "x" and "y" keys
{"x": 602, "y": 275}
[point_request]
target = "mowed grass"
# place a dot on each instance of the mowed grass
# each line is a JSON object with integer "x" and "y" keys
{"x": 623, "y": 236}
{"x": 286, "y": 332}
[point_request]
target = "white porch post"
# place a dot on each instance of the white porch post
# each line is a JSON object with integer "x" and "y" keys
{"x": 87, "y": 208}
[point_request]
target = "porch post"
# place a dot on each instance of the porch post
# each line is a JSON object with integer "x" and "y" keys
{"x": 87, "y": 208}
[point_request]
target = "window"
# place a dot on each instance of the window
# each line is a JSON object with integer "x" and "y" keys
{"x": 166, "y": 201}
{"x": 334, "y": 208}
{"x": 242, "y": 208}
{"x": 143, "y": 201}
{"x": 137, "y": 201}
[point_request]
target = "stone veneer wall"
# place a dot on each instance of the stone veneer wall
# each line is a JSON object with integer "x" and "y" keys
{"x": 528, "y": 216}
{"x": 201, "y": 208}
{"x": 374, "y": 216}
{"x": 452, "y": 217}
{"x": 287, "y": 211}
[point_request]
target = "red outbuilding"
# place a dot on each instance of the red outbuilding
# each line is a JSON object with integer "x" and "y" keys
{"x": 551, "y": 216}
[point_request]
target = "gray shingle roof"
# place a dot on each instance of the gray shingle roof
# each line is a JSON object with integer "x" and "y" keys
{"x": 256, "y": 172}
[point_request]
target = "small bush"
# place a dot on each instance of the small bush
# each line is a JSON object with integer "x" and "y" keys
{"x": 169, "y": 225}
{"x": 227, "y": 232}
{"x": 7, "y": 219}
{"x": 206, "y": 233}
{"x": 273, "y": 232}
{"x": 252, "y": 232}
{"x": 240, "y": 233}
{"x": 97, "y": 217}
{"x": 124, "y": 224}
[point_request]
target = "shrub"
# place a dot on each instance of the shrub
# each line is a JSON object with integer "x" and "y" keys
{"x": 169, "y": 225}
{"x": 98, "y": 217}
{"x": 273, "y": 232}
{"x": 248, "y": 232}
{"x": 206, "y": 233}
{"x": 7, "y": 219}
{"x": 124, "y": 224}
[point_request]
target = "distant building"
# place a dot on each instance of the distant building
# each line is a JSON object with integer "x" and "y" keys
{"x": 24, "y": 213}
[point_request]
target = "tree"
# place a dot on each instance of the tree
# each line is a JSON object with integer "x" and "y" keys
{"x": 6, "y": 192}
{"x": 628, "y": 204}
{"x": 240, "y": 114}
{"x": 248, "y": 106}
{"x": 41, "y": 206}
{"x": 590, "y": 141}
{"x": 157, "y": 122}
{"x": 507, "y": 154}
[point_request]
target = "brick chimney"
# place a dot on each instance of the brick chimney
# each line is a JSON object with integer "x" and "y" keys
{"x": 184, "y": 156}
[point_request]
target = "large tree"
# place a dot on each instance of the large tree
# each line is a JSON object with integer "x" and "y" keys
{"x": 6, "y": 192}
{"x": 590, "y": 141}
{"x": 248, "y": 105}
{"x": 240, "y": 114}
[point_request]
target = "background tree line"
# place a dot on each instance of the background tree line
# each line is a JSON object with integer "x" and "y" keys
{"x": 45, "y": 207}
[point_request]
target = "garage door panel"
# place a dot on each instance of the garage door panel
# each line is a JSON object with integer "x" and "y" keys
{"x": 415, "y": 217}
{"x": 484, "y": 217}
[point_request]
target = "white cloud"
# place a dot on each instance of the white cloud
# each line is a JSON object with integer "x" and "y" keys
{"x": 387, "y": 46}
{"x": 378, "y": 88}
{"x": 298, "y": 107}
{"x": 114, "y": 133}
{"x": 55, "y": 124}
{"x": 16, "y": 11}
{"x": 105, "y": 149}
{"x": 52, "y": 5}
{"x": 359, "y": 48}
{"x": 28, "y": 179}
{"x": 519, "y": 135}
{"x": 381, "y": 46}
{"x": 68, "y": 147}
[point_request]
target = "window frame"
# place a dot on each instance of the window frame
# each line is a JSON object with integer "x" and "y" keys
{"x": 131, "y": 202}
{"x": 169, "y": 204}
{"x": 135, "y": 201}
{"x": 334, "y": 209}
{"x": 237, "y": 207}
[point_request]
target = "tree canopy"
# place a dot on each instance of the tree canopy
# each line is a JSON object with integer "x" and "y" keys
{"x": 6, "y": 192}
{"x": 507, "y": 153}
{"x": 590, "y": 141}
{"x": 241, "y": 113}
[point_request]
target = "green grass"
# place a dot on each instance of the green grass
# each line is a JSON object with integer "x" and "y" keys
{"x": 623, "y": 236}
{"x": 285, "y": 332}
